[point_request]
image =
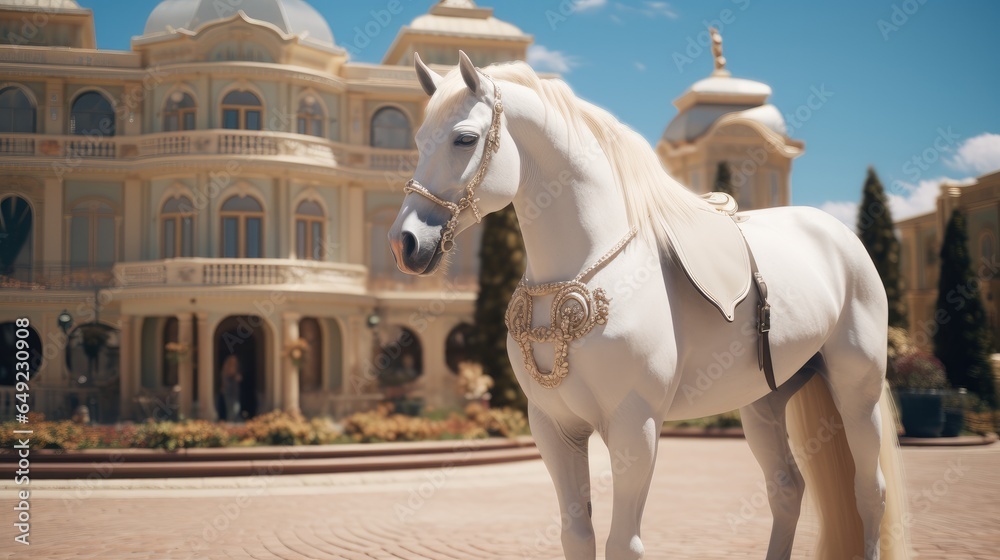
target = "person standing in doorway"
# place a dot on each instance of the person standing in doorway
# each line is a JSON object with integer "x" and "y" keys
{"x": 230, "y": 393}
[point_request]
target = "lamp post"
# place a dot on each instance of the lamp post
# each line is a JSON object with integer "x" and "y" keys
{"x": 65, "y": 321}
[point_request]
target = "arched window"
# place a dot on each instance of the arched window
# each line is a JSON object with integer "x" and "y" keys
{"x": 179, "y": 112}
{"x": 92, "y": 115}
{"x": 242, "y": 110}
{"x": 309, "y": 220}
{"x": 16, "y": 235}
{"x": 177, "y": 230}
{"x": 17, "y": 113}
{"x": 391, "y": 129}
{"x": 93, "y": 241}
{"x": 242, "y": 228}
{"x": 309, "y": 119}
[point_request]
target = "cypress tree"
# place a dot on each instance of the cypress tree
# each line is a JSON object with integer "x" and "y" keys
{"x": 877, "y": 232}
{"x": 502, "y": 261}
{"x": 962, "y": 340}
{"x": 724, "y": 180}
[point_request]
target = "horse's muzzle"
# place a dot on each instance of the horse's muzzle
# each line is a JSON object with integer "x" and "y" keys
{"x": 414, "y": 255}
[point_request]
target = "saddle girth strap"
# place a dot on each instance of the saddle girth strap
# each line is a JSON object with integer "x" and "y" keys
{"x": 763, "y": 321}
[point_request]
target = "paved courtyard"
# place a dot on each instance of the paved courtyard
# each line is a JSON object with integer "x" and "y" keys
{"x": 704, "y": 504}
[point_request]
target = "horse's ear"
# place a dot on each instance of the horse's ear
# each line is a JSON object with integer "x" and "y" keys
{"x": 428, "y": 78}
{"x": 469, "y": 72}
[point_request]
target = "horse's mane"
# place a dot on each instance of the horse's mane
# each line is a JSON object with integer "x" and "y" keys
{"x": 652, "y": 197}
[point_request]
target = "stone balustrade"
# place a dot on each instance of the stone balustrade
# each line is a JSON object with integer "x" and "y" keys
{"x": 215, "y": 142}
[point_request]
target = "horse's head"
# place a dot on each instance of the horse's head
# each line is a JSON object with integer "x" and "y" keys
{"x": 468, "y": 166}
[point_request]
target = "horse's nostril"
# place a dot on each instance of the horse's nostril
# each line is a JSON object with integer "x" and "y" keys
{"x": 409, "y": 244}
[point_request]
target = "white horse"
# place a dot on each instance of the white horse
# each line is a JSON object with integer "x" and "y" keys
{"x": 580, "y": 181}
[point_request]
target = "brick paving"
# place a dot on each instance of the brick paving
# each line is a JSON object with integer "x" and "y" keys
{"x": 703, "y": 505}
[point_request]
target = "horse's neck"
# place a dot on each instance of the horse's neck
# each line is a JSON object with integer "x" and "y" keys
{"x": 569, "y": 208}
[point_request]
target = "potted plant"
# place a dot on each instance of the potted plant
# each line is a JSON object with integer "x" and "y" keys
{"x": 919, "y": 380}
{"x": 954, "y": 413}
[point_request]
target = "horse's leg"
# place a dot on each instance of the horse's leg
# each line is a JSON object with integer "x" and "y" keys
{"x": 564, "y": 452}
{"x": 764, "y": 424}
{"x": 855, "y": 376}
{"x": 632, "y": 436}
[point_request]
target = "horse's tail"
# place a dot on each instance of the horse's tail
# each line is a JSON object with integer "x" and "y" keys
{"x": 820, "y": 446}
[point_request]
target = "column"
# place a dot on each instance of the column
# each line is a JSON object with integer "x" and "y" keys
{"x": 280, "y": 218}
{"x": 205, "y": 244}
{"x": 185, "y": 373}
{"x": 290, "y": 372}
{"x": 206, "y": 370}
{"x": 134, "y": 220}
{"x": 52, "y": 105}
{"x": 52, "y": 231}
{"x": 126, "y": 393}
{"x": 435, "y": 368}
{"x": 353, "y": 215}
{"x": 131, "y": 113}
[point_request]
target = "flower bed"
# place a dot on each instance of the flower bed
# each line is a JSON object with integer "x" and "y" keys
{"x": 274, "y": 428}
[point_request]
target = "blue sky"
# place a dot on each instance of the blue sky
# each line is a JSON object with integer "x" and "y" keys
{"x": 912, "y": 84}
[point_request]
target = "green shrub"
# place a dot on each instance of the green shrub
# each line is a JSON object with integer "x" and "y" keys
{"x": 181, "y": 435}
{"x": 283, "y": 428}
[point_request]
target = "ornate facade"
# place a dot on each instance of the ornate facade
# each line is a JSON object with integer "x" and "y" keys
{"x": 224, "y": 188}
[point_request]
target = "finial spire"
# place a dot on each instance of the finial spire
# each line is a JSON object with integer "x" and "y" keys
{"x": 720, "y": 61}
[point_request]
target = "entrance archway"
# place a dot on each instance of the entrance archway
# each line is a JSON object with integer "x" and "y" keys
{"x": 9, "y": 350}
{"x": 240, "y": 366}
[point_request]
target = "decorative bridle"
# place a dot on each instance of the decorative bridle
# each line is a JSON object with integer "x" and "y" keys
{"x": 468, "y": 200}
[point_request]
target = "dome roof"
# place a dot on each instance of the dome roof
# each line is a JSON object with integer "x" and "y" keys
{"x": 294, "y": 17}
{"x": 464, "y": 17}
{"x": 727, "y": 85}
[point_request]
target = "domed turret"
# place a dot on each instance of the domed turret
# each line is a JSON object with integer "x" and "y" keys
{"x": 725, "y": 120}
{"x": 453, "y": 24}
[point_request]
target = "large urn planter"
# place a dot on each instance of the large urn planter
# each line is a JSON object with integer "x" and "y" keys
{"x": 922, "y": 412}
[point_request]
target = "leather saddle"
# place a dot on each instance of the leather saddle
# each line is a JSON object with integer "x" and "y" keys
{"x": 710, "y": 248}
{"x": 718, "y": 261}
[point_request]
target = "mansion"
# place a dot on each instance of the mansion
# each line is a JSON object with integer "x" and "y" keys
{"x": 921, "y": 238}
{"x": 213, "y": 204}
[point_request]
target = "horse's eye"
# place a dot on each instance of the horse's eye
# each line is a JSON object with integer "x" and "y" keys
{"x": 467, "y": 140}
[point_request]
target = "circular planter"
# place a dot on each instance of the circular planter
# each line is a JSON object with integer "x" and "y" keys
{"x": 922, "y": 412}
{"x": 954, "y": 421}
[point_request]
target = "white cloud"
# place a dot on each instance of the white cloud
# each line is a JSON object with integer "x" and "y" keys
{"x": 977, "y": 155}
{"x": 649, "y": 9}
{"x": 587, "y": 5}
{"x": 846, "y": 212}
{"x": 906, "y": 200}
{"x": 640, "y": 66}
{"x": 542, "y": 59}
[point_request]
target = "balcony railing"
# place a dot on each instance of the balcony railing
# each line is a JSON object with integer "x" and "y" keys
{"x": 239, "y": 272}
{"x": 197, "y": 143}
{"x": 57, "y": 277}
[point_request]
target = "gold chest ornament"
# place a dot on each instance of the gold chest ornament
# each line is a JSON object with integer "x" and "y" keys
{"x": 575, "y": 311}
